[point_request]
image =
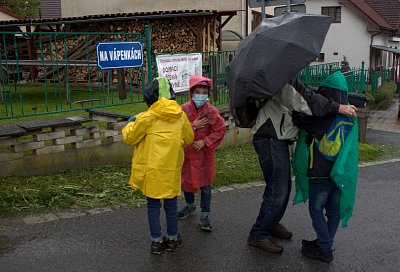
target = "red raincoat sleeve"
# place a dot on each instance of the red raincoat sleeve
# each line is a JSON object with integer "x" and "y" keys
{"x": 218, "y": 129}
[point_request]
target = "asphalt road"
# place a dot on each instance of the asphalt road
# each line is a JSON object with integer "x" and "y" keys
{"x": 383, "y": 137}
{"x": 118, "y": 240}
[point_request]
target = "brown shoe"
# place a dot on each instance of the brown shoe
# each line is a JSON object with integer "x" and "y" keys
{"x": 281, "y": 232}
{"x": 266, "y": 244}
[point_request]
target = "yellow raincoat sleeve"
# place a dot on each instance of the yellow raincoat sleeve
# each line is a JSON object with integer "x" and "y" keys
{"x": 188, "y": 135}
{"x": 135, "y": 131}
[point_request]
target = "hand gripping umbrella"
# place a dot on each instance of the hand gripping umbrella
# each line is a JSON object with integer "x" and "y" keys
{"x": 270, "y": 56}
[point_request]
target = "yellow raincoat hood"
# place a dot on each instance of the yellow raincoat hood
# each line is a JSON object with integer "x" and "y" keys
{"x": 158, "y": 136}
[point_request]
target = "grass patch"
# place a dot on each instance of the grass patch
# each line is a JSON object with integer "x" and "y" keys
{"x": 108, "y": 185}
{"x": 369, "y": 153}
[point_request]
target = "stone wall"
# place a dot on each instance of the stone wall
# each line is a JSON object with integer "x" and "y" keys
{"x": 54, "y": 145}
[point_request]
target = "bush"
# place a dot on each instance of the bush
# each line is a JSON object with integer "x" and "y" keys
{"x": 382, "y": 98}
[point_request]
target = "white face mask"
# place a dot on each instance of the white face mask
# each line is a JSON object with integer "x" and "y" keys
{"x": 199, "y": 99}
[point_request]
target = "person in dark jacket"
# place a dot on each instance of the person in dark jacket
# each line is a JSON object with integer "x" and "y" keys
{"x": 273, "y": 132}
{"x": 325, "y": 138}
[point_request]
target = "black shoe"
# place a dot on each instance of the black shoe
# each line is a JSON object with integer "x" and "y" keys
{"x": 157, "y": 248}
{"x": 309, "y": 242}
{"x": 173, "y": 245}
{"x": 312, "y": 251}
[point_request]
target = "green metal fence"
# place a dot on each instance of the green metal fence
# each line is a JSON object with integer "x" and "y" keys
{"x": 49, "y": 72}
{"x": 379, "y": 78}
{"x": 314, "y": 74}
{"x": 357, "y": 78}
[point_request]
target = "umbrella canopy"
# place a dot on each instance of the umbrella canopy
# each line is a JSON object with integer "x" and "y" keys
{"x": 273, "y": 54}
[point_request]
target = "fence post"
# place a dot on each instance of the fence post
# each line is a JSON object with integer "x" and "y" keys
{"x": 214, "y": 77}
{"x": 362, "y": 78}
{"x": 148, "y": 51}
{"x": 121, "y": 84}
{"x": 308, "y": 75}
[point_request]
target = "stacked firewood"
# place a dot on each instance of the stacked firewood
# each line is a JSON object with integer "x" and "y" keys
{"x": 167, "y": 36}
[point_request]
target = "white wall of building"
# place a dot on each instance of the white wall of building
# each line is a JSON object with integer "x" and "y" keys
{"x": 349, "y": 38}
{"x": 71, "y": 8}
{"x": 6, "y": 17}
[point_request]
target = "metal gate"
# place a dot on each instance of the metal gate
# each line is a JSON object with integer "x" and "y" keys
{"x": 50, "y": 72}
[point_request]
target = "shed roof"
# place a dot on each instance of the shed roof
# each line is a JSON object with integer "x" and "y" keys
{"x": 117, "y": 16}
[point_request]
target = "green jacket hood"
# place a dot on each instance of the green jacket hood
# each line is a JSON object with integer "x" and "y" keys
{"x": 336, "y": 81}
{"x": 159, "y": 88}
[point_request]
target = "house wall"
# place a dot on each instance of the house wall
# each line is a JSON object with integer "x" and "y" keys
{"x": 349, "y": 38}
{"x": 72, "y": 8}
{"x": 6, "y": 17}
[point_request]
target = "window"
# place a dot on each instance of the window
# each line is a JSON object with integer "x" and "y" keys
{"x": 321, "y": 57}
{"x": 334, "y": 12}
{"x": 256, "y": 19}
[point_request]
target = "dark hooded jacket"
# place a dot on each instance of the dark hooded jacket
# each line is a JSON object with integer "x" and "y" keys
{"x": 334, "y": 87}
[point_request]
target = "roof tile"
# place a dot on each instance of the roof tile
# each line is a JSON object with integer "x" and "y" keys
{"x": 385, "y": 13}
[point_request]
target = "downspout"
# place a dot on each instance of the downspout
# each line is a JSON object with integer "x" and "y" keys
{"x": 370, "y": 53}
{"x": 370, "y": 48}
{"x": 247, "y": 18}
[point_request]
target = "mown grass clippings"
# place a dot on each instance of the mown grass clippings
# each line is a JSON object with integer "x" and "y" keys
{"x": 86, "y": 188}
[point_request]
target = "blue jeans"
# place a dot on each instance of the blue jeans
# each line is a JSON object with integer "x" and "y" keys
{"x": 171, "y": 214}
{"x": 274, "y": 159}
{"x": 205, "y": 200}
{"x": 324, "y": 194}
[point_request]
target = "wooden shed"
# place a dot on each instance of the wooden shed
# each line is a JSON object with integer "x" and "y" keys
{"x": 171, "y": 31}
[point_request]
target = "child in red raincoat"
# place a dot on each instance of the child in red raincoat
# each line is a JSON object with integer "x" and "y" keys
{"x": 198, "y": 169}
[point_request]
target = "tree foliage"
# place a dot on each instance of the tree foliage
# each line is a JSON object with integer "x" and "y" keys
{"x": 25, "y": 8}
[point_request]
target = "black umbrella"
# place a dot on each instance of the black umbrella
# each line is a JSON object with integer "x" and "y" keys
{"x": 273, "y": 54}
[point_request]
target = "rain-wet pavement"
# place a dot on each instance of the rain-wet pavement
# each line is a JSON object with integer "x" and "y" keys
{"x": 386, "y": 120}
{"x": 117, "y": 240}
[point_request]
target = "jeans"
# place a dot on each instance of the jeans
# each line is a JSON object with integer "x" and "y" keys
{"x": 274, "y": 159}
{"x": 324, "y": 194}
{"x": 205, "y": 200}
{"x": 171, "y": 214}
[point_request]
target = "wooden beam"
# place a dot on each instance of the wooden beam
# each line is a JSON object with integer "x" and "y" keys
{"x": 189, "y": 25}
{"x": 30, "y": 45}
{"x": 219, "y": 41}
{"x": 226, "y": 21}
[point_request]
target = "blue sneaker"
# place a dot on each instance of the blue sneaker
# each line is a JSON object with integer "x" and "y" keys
{"x": 204, "y": 223}
{"x": 186, "y": 211}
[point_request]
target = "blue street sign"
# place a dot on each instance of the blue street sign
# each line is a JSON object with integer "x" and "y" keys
{"x": 112, "y": 55}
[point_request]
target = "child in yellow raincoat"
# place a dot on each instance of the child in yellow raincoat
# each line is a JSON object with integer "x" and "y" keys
{"x": 159, "y": 135}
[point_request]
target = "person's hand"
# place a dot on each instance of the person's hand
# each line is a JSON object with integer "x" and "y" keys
{"x": 350, "y": 110}
{"x": 200, "y": 123}
{"x": 197, "y": 145}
